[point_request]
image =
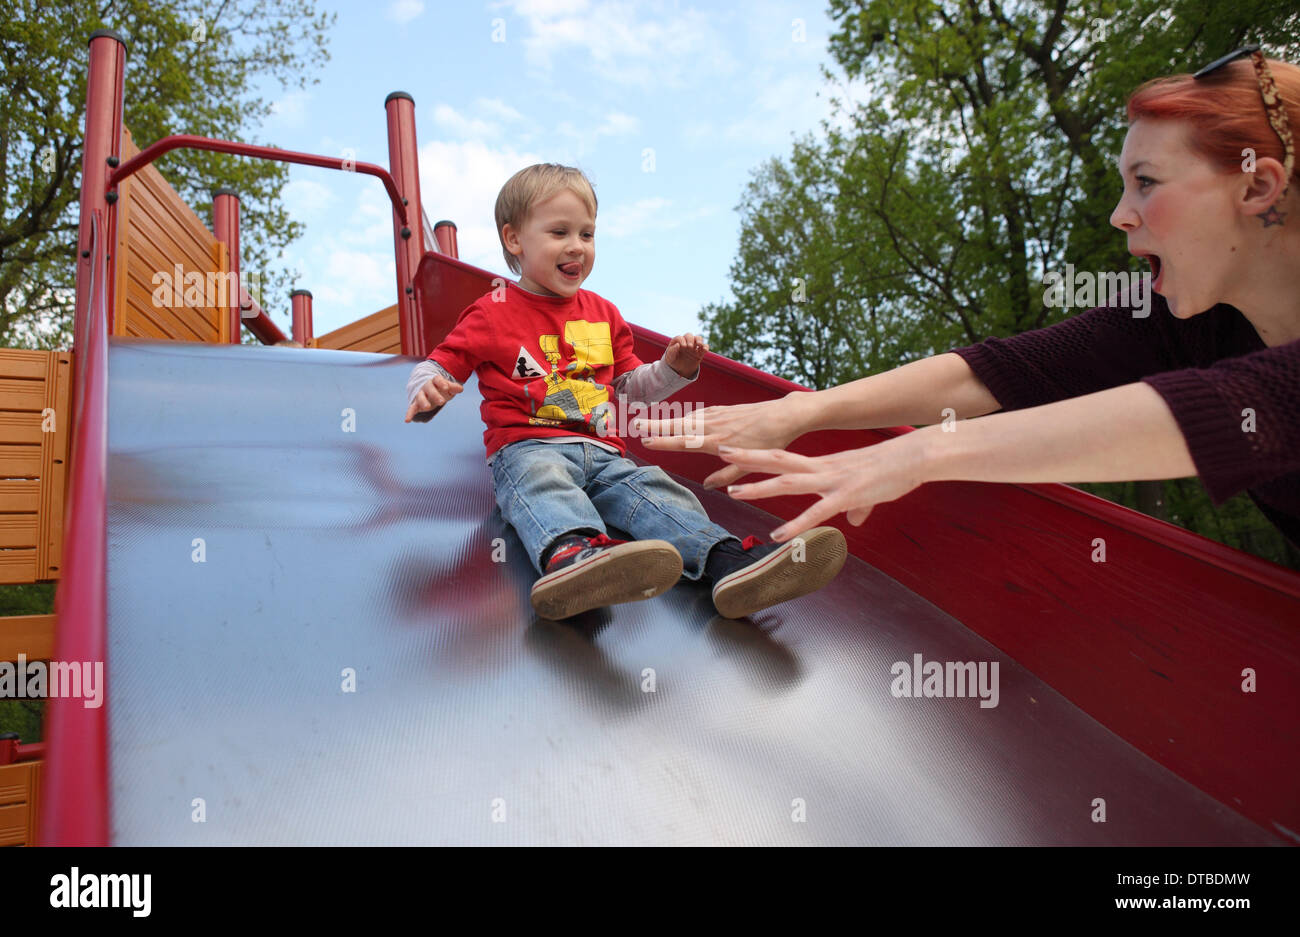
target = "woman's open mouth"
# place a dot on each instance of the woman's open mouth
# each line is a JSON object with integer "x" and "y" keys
{"x": 1157, "y": 270}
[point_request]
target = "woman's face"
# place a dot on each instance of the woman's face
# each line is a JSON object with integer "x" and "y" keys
{"x": 1180, "y": 214}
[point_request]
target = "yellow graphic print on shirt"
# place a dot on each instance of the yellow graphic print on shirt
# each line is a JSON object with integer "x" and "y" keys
{"x": 572, "y": 395}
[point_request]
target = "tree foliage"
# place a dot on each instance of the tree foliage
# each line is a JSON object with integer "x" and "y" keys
{"x": 975, "y": 153}
{"x": 971, "y": 150}
{"x": 193, "y": 66}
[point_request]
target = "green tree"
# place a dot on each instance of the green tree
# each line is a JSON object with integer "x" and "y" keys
{"x": 971, "y": 151}
{"x": 24, "y": 715}
{"x": 192, "y": 67}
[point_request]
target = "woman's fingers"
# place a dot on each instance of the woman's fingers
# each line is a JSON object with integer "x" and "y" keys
{"x": 773, "y": 461}
{"x": 679, "y": 443}
{"x": 817, "y": 514}
{"x": 692, "y": 424}
{"x": 857, "y": 516}
{"x": 724, "y": 476}
{"x": 793, "y": 484}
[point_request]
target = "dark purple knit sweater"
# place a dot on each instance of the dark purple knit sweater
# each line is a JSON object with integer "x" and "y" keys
{"x": 1211, "y": 369}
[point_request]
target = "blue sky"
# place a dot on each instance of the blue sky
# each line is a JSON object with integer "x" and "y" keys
{"x": 713, "y": 89}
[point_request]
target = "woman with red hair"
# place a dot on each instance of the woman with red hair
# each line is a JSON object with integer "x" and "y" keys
{"x": 1207, "y": 384}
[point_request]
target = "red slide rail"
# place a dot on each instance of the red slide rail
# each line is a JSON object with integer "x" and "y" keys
{"x": 74, "y": 799}
{"x": 190, "y": 142}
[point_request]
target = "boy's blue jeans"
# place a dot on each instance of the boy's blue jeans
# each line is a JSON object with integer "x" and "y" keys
{"x": 545, "y": 490}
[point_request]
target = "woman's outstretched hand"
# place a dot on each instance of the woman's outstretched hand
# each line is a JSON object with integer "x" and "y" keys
{"x": 764, "y": 425}
{"x": 851, "y": 482}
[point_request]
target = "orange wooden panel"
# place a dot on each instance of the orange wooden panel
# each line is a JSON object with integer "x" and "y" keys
{"x": 32, "y": 635}
{"x": 54, "y": 466}
{"x": 14, "y": 821}
{"x": 149, "y": 320}
{"x": 21, "y": 362}
{"x": 182, "y": 216}
{"x": 17, "y": 566}
{"x": 19, "y": 530}
{"x": 158, "y": 231}
{"x": 22, "y": 393}
{"x": 369, "y": 334}
{"x": 20, "y": 461}
{"x": 20, "y": 428}
{"x": 21, "y": 494}
{"x": 142, "y": 282}
{"x": 155, "y": 225}
{"x": 15, "y": 782}
{"x": 34, "y": 801}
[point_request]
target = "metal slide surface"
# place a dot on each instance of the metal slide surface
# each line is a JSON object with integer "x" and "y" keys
{"x": 327, "y": 550}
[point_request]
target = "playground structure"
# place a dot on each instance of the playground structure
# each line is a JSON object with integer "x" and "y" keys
{"x": 1122, "y": 679}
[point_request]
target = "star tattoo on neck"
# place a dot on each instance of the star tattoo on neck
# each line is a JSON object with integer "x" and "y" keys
{"x": 1272, "y": 217}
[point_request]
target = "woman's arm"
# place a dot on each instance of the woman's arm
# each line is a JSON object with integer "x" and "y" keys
{"x": 918, "y": 392}
{"x": 1125, "y": 433}
{"x": 910, "y": 395}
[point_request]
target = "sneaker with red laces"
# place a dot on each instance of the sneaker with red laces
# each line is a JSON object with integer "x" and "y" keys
{"x": 589, "y": 572}
{"x": 758, "y": 575}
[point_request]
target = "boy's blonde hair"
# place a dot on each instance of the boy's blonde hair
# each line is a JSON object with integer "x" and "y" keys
{"x": 536, "y": 184}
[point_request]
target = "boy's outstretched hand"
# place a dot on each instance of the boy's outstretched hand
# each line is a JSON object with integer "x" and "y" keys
{"x": 431, "y": 397}
{"x": 684, "y": 354}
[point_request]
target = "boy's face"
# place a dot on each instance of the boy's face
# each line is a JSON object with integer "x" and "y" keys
{"x": 556, "y": 245}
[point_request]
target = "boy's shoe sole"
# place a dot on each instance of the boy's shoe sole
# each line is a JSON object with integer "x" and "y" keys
{"x": 778, "y": 578}
{"x": 629, "y": 572}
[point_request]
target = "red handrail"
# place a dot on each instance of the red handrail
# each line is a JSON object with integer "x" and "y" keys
{"x": 74, "y": 799}
{"x": 191, "y": 142}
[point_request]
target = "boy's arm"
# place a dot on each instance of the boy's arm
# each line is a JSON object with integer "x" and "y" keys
{"x": 650, "y": 383}
{"x": 653, "y": 381}
{"x": 424, "y": 372}
{"x": 457, "y": 354}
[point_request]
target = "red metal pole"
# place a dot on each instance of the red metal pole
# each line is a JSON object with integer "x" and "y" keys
{"x": 225, "y": 226}
{"x": 445, "y": 234}
{"x": 258, "y": 322}
{"x": 301, "y": 301}
{"x": 104, "y": 82}
{"x": 74, "y": 782}
{"x": 185, "y": 141}
{"x": 408, "y": 235}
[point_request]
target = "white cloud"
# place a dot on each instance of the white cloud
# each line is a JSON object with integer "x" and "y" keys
{"x": 305, "y": 199}
{"x": 663, "y": 312}
{"x": 646, "y": 216}
{"x": 291, "y": 110}
{"x": 792, "y": 103}
{"x": 497, "y": 109}
{"x": 458, "y": 125}
{"x": 486, "y": 119}
{"x": 633, "y": 218}
{"x": 584, "y": 138}
{"x": 358, "y": 280}
{"x": 403, "y": 11}
{"x": 618, "y": 125}
{"x": 648, "y": 44}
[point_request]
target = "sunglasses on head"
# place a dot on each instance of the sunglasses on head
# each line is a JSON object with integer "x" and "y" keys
{"x": 1274, "y": 109}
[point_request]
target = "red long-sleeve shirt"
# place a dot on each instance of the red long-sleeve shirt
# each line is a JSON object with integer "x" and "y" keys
{"x": 546, "y": 366}
{"x": 1236, "y": 400}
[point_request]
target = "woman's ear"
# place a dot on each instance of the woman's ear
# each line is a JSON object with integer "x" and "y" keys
{"x": 1265, "y": 183}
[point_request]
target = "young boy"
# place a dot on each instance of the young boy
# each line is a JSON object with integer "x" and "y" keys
{"x": 550, "y": 359}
